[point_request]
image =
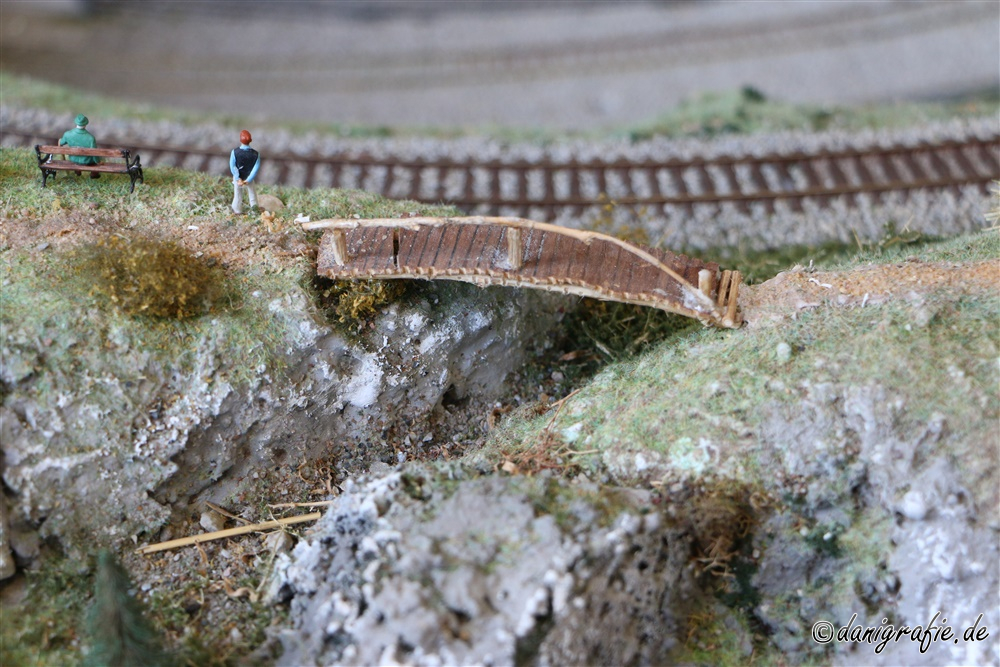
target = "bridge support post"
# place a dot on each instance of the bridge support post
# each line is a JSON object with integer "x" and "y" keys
{"x": 706, "y": 280}
{"x": 720, "y": 298}
{"x": 339, "y": 246}
{"x": 514, "y": 252}
{"x": 732, "y": 298}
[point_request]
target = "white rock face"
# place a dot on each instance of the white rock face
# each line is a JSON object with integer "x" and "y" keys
{"x": 895, "y": 490}
{"x": 365, "y": 383}
{"x": 402, "y": 571}
{"x": 103, "y": 454}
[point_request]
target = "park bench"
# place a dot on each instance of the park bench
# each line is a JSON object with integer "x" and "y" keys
{"x": 129, "y": 164}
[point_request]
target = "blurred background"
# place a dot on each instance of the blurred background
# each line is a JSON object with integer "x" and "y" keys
{"x": 566, "y": 65}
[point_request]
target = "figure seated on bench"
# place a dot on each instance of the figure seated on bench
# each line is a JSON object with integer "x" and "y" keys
{"x": 79, "y": 137}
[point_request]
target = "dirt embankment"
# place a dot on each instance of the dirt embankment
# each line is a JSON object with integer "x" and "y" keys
{"x": 798, "y": 289}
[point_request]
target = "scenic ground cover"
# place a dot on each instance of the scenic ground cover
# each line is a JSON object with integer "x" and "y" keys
{"x": 728, "y": 488}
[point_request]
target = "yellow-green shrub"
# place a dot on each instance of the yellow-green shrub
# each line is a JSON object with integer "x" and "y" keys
{"x": 150, "y": 277}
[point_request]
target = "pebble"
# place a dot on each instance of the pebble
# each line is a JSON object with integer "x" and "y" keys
{"x": 783, "y": 352}
{"x": 212, "y": 522}
{"x": 913, "y": 506}
{"x": 279, "y": 542}
{"x": 270, "y": 203}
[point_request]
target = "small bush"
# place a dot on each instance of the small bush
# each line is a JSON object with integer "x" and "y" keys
{"x": 150, "y": 277}
{"x": 356, "y": 300}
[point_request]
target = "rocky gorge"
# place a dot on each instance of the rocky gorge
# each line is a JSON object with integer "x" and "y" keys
{"x": 711, "y": 500}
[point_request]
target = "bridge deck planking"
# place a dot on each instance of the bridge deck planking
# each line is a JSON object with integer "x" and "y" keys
{"x": 373, "y": 248}
{"x": 550, "y": 259}
{"x": 479, "y": 249}
{"x": 534, "y": 248}
{"x": 412, "y": 247}
{"x": 598, "y": 266}
{"x": 468, "y": 248}
{"x": 607, "y": 270}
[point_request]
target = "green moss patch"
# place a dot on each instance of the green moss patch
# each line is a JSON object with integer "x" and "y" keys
{"x": 749, "y": 111}
{"x": 49, "y": 634}
{"x": 705, "y": 392}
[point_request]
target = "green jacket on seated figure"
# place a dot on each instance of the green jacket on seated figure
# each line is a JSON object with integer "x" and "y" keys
{"x": 80, "y": 138}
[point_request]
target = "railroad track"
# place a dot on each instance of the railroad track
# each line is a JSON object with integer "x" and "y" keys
{"x": 549, "y": 189}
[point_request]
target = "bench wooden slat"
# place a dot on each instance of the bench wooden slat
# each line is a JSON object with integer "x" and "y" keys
{"x": 66, "y": 165}
{"x": 92, "y": 152}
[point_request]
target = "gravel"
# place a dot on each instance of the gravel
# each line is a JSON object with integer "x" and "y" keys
{"x": 844, "y": 219}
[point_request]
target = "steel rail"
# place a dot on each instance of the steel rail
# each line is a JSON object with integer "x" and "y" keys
{"x": 929, "y": 166}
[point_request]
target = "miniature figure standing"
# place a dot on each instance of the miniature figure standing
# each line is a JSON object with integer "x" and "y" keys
{"x": 244, "y": 163}
{"x": 79, "y": 137}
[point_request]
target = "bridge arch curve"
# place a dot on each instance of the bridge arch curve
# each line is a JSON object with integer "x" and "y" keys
{"x": 524, "y": 253}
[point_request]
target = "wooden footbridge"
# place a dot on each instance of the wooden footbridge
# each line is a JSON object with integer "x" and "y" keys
{"x": 524, "y": 253}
